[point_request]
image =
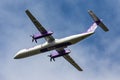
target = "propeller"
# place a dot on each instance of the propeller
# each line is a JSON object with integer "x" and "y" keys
{"x": 51, "y": 58}
{"x": 33, "y": 39}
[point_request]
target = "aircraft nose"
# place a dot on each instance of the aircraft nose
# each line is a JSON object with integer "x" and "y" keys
{"x": 20, "y": 54}
{"x": 16, "y": 56}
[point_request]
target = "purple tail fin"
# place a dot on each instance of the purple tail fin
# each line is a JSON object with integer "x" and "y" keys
{"x": 92, "y": 28}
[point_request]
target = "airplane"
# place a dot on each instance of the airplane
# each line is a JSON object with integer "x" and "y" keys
{"x": 59, "y": 45}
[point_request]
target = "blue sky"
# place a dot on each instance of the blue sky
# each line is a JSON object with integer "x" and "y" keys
{"x": 98, "y": 55}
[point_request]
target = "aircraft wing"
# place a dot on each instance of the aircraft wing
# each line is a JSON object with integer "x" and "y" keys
{"x": 69, "y": 59}
{"x": 39, "y": 26}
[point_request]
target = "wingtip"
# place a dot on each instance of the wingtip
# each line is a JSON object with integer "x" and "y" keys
{"x": 80, "y": 70}
{"x": 90, "y": 11}
{"x": 26, "y": 10}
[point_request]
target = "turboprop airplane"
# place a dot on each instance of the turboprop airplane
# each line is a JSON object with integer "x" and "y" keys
{"x": 59, "y": 45}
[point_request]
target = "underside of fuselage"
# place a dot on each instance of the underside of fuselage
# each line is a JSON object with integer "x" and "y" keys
{"x": 56, "y": 46}
{"x": 41, "y": 49}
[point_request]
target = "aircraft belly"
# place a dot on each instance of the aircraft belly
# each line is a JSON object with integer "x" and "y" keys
{"x": 55, "y": 46}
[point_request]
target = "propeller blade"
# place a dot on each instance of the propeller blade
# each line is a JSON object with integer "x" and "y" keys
{"x": 50, "y": 59}
{"x": 35, "y": 40}
{"x": 53, "y": 59}
{"x": 32, "y": 40}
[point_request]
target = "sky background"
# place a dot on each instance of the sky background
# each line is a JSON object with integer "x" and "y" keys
{"x": 98, "y": 55}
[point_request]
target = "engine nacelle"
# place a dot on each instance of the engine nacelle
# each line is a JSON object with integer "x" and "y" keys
{"x": 58, "y": 54}
{"x": 39, "y": 35}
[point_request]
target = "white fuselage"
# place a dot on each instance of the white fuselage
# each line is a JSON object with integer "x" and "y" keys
{"x": 57, "y": 43}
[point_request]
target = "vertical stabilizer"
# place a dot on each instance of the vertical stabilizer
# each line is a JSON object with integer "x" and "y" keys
{"x": 92, "y": 28}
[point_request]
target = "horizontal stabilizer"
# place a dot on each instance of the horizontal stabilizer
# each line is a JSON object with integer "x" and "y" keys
{"x": 98, "y": 21}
